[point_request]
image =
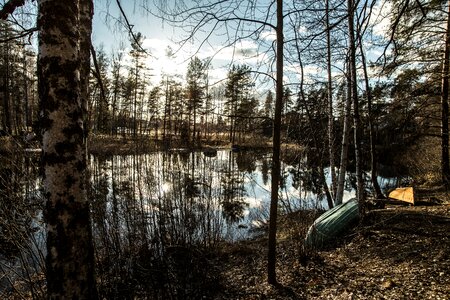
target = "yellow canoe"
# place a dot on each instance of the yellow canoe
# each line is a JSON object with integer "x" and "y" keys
{"x": 403, "y": 194}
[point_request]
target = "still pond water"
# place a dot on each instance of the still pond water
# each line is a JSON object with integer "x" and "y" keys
{"x": 227, "y": 194}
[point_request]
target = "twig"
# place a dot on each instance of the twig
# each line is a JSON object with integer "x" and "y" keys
{"x": 20, "y": 35}
{"x": 130, "y": 28}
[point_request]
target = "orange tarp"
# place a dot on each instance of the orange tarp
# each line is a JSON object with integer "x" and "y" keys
{"x": 403, "y": 194}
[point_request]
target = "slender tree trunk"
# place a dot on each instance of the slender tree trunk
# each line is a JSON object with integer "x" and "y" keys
{"x": 7, "y": 126}
{"x": 311, "y": 121}
{"x": 344, "y": 145}
{"x": 373, "y": 156}
{"x": 354, "y": 96}
{"x": 85, "y": 19}
{"x": 445, "y": 165}
{"x": 136, "y": 78}
{"x": 103, "y": 105}
{"x": 166, "y": 100}
{"x": 195, "y": 124}
{"x": 70, "y": 255}
{"x": 115, "y": 100}
{"x": 276, "y": 163}
{"x": 28, "y": 121}
{"x": 330, "y": 105}
{"x": 169, "y": 109}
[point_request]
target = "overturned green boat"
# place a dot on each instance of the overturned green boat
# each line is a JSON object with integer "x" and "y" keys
{"x": 332, "y": 224}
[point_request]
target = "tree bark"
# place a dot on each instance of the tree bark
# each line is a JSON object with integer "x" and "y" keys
{"x": 6, "y": 120}
{"x": 331, "y": 151}
{"x": 344, "y": 145}
{"x": 85, "y": 18}
{"x": 445, "y": 164}
{"x": 70, "y": 255}
{"x": 373, "y": 155}
{"x": 276, "y": 164}
{"x": 354, "y": 96}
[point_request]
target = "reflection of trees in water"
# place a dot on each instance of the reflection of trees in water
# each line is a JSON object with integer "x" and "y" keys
{"x": 21, "y": 234}
{"x": 307, "y": 178}
{"x": 171, "y": 198}
{"x": 246, "y": 161}
{"x": 233, "y": 190}
{"x": 19, "y": 201}
{"x": 152, "y": 213}
{"x": 149, "y": 211}
{"x": 265, "y": 166}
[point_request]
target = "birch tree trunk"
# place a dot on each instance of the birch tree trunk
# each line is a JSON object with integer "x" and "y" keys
{"x": 70, "y": 256}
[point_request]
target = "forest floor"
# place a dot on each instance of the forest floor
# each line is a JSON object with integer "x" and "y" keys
{"x": 398, "y": 252}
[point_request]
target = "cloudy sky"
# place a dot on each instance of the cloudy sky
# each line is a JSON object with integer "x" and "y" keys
{"x": 159, "y": 37}
{"x": 109, "y": 30}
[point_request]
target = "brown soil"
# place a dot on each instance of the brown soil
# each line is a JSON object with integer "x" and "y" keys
{"x": 395, "y": 253}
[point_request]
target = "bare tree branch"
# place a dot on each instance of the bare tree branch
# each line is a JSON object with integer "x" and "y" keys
{"x": 19, "y": 35}
{"x": 130, "y": 28}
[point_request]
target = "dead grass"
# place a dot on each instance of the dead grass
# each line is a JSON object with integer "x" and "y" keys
{"x": 396, "y": 253}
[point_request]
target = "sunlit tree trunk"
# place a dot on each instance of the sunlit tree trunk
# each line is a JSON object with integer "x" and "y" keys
{"x": 276, "y": 163}
{"x": 70, "y": 255}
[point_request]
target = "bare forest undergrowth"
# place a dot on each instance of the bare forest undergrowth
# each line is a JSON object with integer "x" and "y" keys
{"x": 396, "y": 253}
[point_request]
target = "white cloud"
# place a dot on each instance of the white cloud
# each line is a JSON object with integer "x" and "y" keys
{"x": 379, "y": 18}
{"x": 302, "y": 29}
{"x": 268, "y": 35}
{"x": 160, "y": 64}
{"x": 244, "y": 51}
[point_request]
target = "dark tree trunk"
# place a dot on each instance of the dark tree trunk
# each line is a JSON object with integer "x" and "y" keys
{"x": 6, "y": 121}
{"x": 344, "y": 147}
{"x": 276, "y": 164}
{"x": 373, "y": 155}
{"x": 70, "y": 255}
{"x": 445, "y": 164}
{"x": 311, "y": 122}
{"x": 86, "y": 14}
{"x": 331, "y": 150}
{"x": 354, "y": 96}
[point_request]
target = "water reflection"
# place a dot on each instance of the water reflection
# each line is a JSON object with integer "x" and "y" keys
{"x": 21, "y": 230}
{"x": 149, "y": 210}
{"x": 181, "y": 197}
